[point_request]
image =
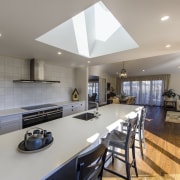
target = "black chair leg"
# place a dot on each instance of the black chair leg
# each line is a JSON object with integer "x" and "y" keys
{"x": 127, "y": 165}
{"x": 113, "y": 159}
{"x": 144, "y": 141}
{"x": 134, "y": 160}
{"x": 140, "y": 144}
{"x": 113, "y": 156}
{"x": 128, "y": 171}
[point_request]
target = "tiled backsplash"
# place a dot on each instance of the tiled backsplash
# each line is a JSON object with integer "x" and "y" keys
{"x": 13, "y": 95}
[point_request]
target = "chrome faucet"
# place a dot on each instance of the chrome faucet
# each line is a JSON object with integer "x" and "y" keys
{"x": 97, "y": 105}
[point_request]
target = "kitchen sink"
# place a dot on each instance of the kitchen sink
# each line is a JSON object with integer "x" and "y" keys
{"x": 85, "y": 116}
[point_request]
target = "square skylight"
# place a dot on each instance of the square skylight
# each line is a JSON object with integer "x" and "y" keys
{"x": 91, "y": 33}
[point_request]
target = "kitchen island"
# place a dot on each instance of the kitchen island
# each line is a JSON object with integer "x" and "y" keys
{"x": 71, "y": 136}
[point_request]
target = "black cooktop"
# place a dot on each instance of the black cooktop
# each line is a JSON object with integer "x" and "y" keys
{"x": 38, "y": 106}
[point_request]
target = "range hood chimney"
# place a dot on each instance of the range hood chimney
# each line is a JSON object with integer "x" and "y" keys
{"x": 36, "y": 70}
{"x": 36, "y": 73}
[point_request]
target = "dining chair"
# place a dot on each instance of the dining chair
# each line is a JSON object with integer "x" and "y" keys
{"x": 89, "y": 166}
{"x": 128, "y": 101}
{"x": 131, "y": 100}
{"x": 117, "y": 141}
{"x": 115, "y": 101}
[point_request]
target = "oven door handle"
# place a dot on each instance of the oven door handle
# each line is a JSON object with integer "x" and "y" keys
{"x": 54, "y": 112}
{"x": 35, "y": 117}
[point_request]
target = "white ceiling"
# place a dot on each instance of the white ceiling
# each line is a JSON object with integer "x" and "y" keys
{"x": 22, "y": 21}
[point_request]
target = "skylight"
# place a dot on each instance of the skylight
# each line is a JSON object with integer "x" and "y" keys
{"x": 79, "y": 24}
{"x": 105, "y": 23}
{"x": 91, "y": 33}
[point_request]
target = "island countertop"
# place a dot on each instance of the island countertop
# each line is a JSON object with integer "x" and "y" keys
{"x": 71, "y": 136}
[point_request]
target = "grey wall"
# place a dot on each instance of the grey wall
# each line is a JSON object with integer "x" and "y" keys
{"x": 13, "y": 95}
{"x": 175, "y": 82}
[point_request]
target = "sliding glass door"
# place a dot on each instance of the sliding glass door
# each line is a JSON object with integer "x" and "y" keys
{"x": 146, "y": 92}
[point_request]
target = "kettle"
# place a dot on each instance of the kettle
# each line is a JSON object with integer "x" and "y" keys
{"x": 34, "y": 139}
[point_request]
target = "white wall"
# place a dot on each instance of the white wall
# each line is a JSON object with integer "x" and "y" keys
{"x": 81, "y": 81}
{"x": 175, "y": 82}
{"x": 13, "y": 95}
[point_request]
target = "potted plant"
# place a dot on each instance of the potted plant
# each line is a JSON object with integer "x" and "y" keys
{"x": 123, "y": 96}
{"x": 169, "y": 94}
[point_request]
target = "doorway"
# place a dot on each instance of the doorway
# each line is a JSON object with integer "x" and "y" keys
{"x": 96, "y": 90}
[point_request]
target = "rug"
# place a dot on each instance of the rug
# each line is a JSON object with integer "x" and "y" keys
{"x": 172, "y": 116}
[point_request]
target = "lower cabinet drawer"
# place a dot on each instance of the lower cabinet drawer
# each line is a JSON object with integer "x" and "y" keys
{"x": 10, "y": 123}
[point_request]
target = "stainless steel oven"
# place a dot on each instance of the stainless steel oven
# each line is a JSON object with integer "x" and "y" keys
{"x": 55, "y": 113}
{"x": 38, "y": 117}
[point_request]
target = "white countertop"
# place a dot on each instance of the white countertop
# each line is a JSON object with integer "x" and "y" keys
{"x": 70, "y": 138}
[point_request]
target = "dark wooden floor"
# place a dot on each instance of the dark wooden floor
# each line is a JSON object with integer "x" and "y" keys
{"x": 155, "y": 123}
{"x": 162, "y": 153}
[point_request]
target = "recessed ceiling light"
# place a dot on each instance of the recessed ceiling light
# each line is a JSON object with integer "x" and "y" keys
{"x": 143, "y": 70}
{"x": 168, "y": 46}
{"x": 164, "y": 18}
{"x": 89, "y": 62}
{"x": 59, "y": 53}
{"x": 179, "y": 67}
{"x": 0, "y": 34}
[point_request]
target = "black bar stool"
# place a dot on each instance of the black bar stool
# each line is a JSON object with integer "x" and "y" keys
{"x": 89, "y": 166}
{"x": 139, "y": 131}
{"x": 117, "y": 140}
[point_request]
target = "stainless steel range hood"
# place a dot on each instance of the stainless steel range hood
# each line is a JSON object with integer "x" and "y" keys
{"x": 36, "y": 73}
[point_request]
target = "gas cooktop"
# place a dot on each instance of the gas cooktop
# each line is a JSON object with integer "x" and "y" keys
{"x": 38, "y": 106}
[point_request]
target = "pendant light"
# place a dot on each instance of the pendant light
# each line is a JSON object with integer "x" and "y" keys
{"x": 123, "y": 73}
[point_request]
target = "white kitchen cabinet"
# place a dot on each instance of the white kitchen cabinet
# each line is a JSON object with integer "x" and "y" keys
{"x": 10, "y": 123}
{"x": 73, "y": 108}
{"x": 67, "y": 110}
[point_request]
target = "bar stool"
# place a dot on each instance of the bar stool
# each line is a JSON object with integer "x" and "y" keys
{"x": 89, "y": 166}
{"x": 117, "y": 140}
{"x": 139, "y": 131}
